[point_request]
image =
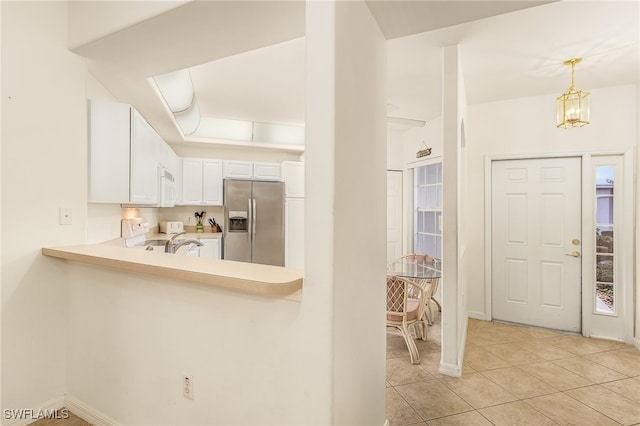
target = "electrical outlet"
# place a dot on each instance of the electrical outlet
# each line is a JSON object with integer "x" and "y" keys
{"x": 66, "y": 217}
{"x": 187, "y": 387}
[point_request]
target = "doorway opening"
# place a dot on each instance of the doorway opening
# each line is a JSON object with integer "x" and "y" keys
{"x": 561, "y": 243}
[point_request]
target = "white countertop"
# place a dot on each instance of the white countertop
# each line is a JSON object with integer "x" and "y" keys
{"x": 188, "y": 235}
{"x": 251, "y": 278}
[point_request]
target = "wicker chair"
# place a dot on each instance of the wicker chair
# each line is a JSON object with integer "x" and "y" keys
{"x": 404, "y": 311}
{"x": 429, "y": 286}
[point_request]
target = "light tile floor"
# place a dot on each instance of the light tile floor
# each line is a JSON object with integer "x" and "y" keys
{"x": 514, "y": 375}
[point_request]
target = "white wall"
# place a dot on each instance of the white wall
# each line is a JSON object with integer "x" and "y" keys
{"x": 44, "y": 162}
{"x": 413, "y": 139}
{"x": 637, "y": 224}
{"x": 120, "y": 342}
{"x": 359, "y": 216}
{"x": 90, "y": 21}
{"x": 527, "y": 126}
{"x": 394, "y": 149}
{"x": 454, "y": 286}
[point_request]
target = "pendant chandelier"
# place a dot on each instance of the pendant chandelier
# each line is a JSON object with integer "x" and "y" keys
{"x": 573, "y": 105}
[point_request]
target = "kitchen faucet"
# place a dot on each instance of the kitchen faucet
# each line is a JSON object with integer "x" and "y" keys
{"x": 172, "y": 246}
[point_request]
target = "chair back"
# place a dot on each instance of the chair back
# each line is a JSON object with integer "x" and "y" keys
{"x": 404, "y": 300}
{"x": 418, "y": 257}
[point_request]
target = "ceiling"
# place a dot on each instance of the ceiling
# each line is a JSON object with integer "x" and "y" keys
{"x": 247, "y": 59}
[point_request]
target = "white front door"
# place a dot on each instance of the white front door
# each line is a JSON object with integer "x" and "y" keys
{"x": 536, "y": 242}
{"x": 394, "y": 215}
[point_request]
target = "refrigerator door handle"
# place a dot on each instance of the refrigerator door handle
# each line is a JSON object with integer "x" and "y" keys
{"x": 253, "y": 220}
{"x": 250, "y": 218}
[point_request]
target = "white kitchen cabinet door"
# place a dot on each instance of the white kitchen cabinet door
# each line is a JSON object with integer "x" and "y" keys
{"x": 294, "y": 233}
{"x": 210, "y": 248}
{"x": 192, "y": 181}
{"x": 201, "y": 182}
{"x": 238, "y": 169}
{"x": 109, "y": 152}
{"x": 212, "y": 182}
{"x": 145, "y": 146}
{"x": 124, "y": 154}
{"x": 293, "y": 177}
{"x": 267, "y": 171}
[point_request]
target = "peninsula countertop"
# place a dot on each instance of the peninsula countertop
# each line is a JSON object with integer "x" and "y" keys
{"x": 251, "y": 278}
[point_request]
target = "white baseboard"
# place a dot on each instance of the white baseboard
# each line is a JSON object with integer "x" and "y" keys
{"x": 477, "y": 315}
{"x": 450, "y": 370}
{"x": 30, "y": 414}
{"x": 454, "y": 370}
{"x": 90, "y": 414}
{"x": 463, "y": 342}
{"x": 636, "y": 343}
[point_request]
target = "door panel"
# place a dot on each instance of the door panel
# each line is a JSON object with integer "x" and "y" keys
{"x": 237, "y": 242}
{"x": 268, "y": 239}
{"x": 536, "y": 212}
{"x": 517, "y": 288}
{"x": 394, "y": 215}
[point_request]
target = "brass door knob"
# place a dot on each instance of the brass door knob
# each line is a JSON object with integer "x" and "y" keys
{"x": 573, "y": 254}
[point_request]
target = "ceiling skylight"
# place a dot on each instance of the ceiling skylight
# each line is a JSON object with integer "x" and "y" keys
{"x": 178, "y": 94}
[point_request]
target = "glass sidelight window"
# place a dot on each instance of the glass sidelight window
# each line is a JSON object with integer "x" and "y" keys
{"x": 428, "y": 213}
{"x": 605, "y": 285}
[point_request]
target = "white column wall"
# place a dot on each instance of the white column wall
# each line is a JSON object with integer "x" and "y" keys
{"x": 454, "y": 288}
{"x": 637, "y": 224}
{"x": 359, "y": 217}
{"x": 394, "y": 149}
{"x": 44, "y": 162}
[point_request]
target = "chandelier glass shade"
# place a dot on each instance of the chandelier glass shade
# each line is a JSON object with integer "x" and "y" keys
{"x": 573, "y": 105}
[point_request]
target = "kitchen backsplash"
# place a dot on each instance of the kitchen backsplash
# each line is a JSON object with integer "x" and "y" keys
{"x": 186, "y": 214}
{"x": 104, "y": 220}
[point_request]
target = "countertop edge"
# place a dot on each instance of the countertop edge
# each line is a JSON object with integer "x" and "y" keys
{"x": 242, "y": 279}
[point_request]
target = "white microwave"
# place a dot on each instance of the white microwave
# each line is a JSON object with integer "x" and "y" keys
{"x": 167, "y": 188}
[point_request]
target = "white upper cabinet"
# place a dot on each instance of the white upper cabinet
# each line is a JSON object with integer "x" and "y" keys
{"x": 201, "y": 182}
{"x": 169, "y": 159}
{"x": 293, "y": 177}
{"x": 238, "y": 169}
{"x": 252, "y": 170}
{"x": 192, "y": 182}
{"x": 267, "y": 171}
{"x": 109, "y": 152}
{"x": 145, "y": 155}
{"x": 124, "y": 154}
{"x": 212, "y": 182}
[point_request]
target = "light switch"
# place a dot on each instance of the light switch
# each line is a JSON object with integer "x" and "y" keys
{"x": 66, "y": 217}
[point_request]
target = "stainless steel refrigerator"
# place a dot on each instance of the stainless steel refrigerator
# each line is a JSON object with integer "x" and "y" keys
{"x": 254, "y": 221}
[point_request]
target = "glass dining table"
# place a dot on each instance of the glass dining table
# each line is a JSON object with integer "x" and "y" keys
{"x": 415, "y": 269}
